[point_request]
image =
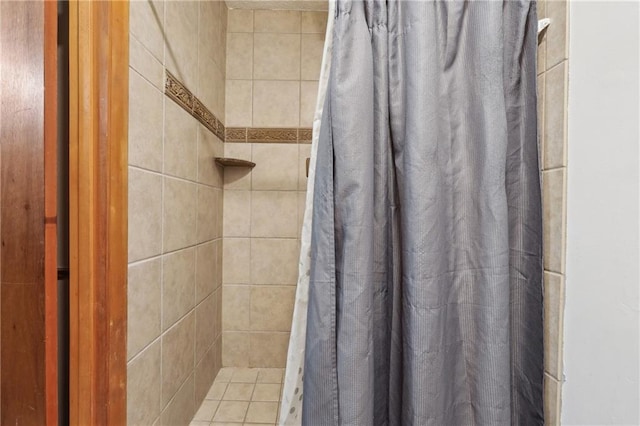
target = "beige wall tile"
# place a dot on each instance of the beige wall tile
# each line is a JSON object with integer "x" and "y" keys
{"x": 244, "y": 375}
{"x": 271, "y": 308}
{"x": 205, "y": 333}
{"x": 541, "y": 8}
{"x": 143, "y": 387}
{"x": 143, "y": 304}
{"x": 180, "y": 142}
{"x": 240, "y": 21}
{"x": 314, "y": 22}
{"x": 237, "y": 213}
{"x": 181, "y": 47}
{"x": 145, "y": 123}
{"x": 553, "y": 221}
{"x": 238, "y": 105}
{"x": 235, "y": 258}
{"x": 276, "y": 103}
{"x": 209, "y": 207}
{"x": 211, "y": 81}
{"x": 274, "y": 214}
{"x": 182, "y": 407}
{"x": 205, "y": 372}
{"x": 274, "y": 261}
{"x": 235, "y": 349}
{"x": 143, "y": 61}
{"x": 178, "y": 285}
{"x": 177, "y": 356}
{"x": 217, "y": 323}
{"x": 275, "y": 166}
{"x": 276, "y": 21}
{"x": 553, "y": 314}
{"x": 312, "y": 47}
{"x": 145, "y": 214}
{"x": 556, "y": 36}
{"x": 209, "y": 147}
{"x": 276, "y": 57}
{"x": 237, "y": 177}
{"x": 541, "y": 60}
{"x": 146, "y": 23}
{"x": 551, "y": 401}
{"x": 235, "y": 307}
{"x": 219, "y": 250}
{"x": 222, "y": 31}
{"x": 304, "y": 153}
{"x": 308, "y": 98}
{"x": 555, "y": 122}
{"x": 540, "y": 106}
{"x": 239, "y": 56}
{"x": 179, "y": 213}
{"x": 221, "y": 99}
{"x": 215, "y": 35}
{"x": 269, "y": 349}
{"x": 209, "y": 35}
{"x": 542, "y": 38}
{"x": 205, "y": 270}
{"x": 163, "y": 211}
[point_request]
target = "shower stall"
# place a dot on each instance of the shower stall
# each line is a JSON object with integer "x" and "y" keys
{"x": 226, "y": 98}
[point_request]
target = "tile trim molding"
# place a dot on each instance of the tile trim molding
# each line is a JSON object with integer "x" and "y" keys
{"x": 178, "y": 92}
{"x": 182, "y": 96}
{"x": 268, "y": 135}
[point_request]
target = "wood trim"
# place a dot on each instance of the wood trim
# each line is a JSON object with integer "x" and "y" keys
{"x": 28, "y": 296}
{"x": 99, "y": 66}
{"x": 51, "y": 210}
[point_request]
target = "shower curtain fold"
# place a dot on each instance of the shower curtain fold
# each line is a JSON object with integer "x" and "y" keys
{"x": 425, "y": 274}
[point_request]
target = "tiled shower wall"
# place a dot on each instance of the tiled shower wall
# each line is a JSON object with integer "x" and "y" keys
{"x": 553, "y": 62}
{"x": 175, "y": 211}
{"x": 273, "y": 65}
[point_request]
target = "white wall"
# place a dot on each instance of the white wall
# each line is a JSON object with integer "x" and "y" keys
{"x": 601, "y": 317}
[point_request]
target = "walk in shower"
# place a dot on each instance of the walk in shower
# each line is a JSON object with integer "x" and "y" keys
{"x": 214, "y": 246}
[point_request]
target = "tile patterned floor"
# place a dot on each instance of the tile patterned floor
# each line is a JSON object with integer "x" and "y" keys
{"x": 242, "y": 396}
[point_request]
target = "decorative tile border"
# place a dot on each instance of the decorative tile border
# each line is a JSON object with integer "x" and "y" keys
{"x": 268, "y": 135}
{"x": 272, "y": 135}
{"x": 305, "y": 135}
{"x": 177, "y": 91}
{"x": 236, "y": 134}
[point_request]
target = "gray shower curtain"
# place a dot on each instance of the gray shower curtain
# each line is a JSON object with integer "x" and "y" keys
{"x": 425, "y": 294}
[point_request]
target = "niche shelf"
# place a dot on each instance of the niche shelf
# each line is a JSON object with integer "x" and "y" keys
{"x": 234, "y": 162}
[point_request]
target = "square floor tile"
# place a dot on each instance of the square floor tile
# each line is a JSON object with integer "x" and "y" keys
{"x": 216, "y": 391}
{"x": 266, "y": 392}
{"x": 231, "y": 411}
{"x": 206, "y": 410}
{"x": 262, "y": 412}
{"x": 238, "y": 392}
{"x": 270, "y": 375}
{"x": 224, "y": 375}
{"x": 244, "y": 375}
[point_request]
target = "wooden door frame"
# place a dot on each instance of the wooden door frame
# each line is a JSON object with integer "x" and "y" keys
{"x": 98, "y": 109}
{"x": 28, "y": 282}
